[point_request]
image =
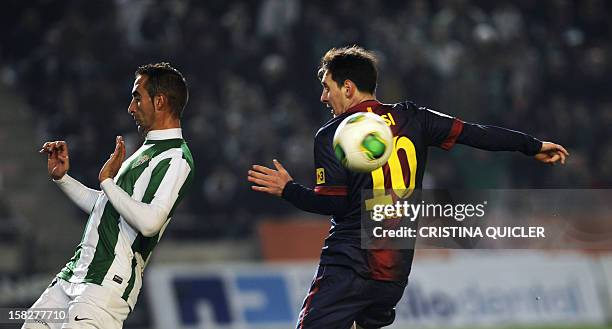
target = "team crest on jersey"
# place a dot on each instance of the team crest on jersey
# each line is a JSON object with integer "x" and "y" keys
{"x": 141, "y": 160}
{"x": 118, "y": 279}
{"x": 320, "y": 176}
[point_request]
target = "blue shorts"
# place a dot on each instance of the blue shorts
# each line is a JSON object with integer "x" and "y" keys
{"x": 338, "y": 297}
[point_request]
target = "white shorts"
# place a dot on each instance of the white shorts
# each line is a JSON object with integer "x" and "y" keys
{"x": 89, "y": 306}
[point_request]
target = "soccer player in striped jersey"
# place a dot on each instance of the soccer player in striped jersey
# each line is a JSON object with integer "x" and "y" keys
{"x": 127, "y": 217}
{"x": 355, "y": 286}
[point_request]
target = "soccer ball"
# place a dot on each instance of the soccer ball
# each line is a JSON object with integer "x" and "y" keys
{"x": 363, "y": 142}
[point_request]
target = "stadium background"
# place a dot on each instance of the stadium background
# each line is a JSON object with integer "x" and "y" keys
{"x": 66, "y": 71}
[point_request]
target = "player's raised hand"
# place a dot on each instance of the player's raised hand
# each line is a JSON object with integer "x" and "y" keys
{"x": 269, "y": 180}
{"x": 552, "y": 153}
{"x": 57, "y": 158}
{"x": 112, "y": 165}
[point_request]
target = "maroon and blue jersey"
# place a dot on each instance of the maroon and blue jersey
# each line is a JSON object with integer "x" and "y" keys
{"x": 338, "y": 191}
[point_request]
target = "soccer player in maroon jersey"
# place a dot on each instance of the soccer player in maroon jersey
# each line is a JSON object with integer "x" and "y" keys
{"x": 356, "y": 286}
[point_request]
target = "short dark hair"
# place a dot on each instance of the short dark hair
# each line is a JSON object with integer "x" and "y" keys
{"x": 351, "y": 63}
{"x": 165, "y": 79}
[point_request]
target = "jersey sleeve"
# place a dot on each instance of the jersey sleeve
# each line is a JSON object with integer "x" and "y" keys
{"x": 492, "y": 138}
{"x": 329, "y": 194}
{"x": 149, "y": 215}
{"x": 84, "y": 197}
{"x": 439, "y": 129}
{"x": 306, "y": 199}
{"x": 331, "y": 176}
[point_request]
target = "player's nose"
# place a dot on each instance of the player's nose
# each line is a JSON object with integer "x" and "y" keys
{"x": 324, "y": 99}
{"x": 131, "y": 108}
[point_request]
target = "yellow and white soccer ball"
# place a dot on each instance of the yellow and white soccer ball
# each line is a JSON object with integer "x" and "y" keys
{"x": 363, "y": 142}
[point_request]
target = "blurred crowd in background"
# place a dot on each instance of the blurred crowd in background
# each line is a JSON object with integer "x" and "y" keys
{"x": 542, "y": 67}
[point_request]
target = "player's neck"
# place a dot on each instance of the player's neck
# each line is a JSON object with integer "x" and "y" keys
{"x": 358, "y": 99}
{"x": 168, "y": 122}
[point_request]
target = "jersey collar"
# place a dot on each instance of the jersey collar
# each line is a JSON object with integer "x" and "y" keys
{"x": 363, "y": 106}
{"x": 172, "y": 133}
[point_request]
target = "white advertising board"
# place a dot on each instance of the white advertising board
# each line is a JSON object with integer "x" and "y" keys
{"x": 469, "y": 288}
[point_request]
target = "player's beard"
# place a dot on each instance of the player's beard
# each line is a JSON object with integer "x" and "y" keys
{"x": 142, "y": 128}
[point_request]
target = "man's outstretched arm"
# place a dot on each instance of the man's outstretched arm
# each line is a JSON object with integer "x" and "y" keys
{"x": 58, "y": 163}
{"x": 494, "y": 138}
{"x": 445, "y": 131}
{"x": 278, "y": 182}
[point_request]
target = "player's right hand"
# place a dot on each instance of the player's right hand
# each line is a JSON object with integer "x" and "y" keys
{"x": 269, "y": 180}
{"x": 57, "y": 158}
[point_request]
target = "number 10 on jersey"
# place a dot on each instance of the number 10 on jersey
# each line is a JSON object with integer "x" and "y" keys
{"x": 396, "y": 179}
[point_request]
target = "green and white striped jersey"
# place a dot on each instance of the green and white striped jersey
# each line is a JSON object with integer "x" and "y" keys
{"x": 113, "y": 253}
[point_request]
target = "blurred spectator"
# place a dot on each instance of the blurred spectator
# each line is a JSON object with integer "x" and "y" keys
{"x": 539, "y": 67}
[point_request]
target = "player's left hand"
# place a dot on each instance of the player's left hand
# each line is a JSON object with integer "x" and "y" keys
{"x": 112, "y": 165}
{"x": 269, "y": 180}
{"x": 552, "y": 153}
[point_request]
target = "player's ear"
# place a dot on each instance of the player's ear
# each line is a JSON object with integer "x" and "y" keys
{"x": 349, "y": 88}
{"x": 159, "y": 100}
